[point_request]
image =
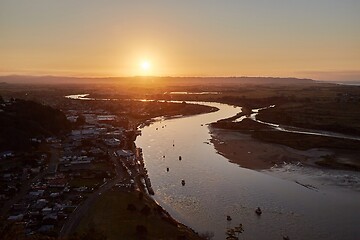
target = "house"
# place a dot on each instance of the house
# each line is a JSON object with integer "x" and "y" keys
{"x": 46, "y": 210}
{"x": 124, "y": 153}
{"x": 96, "y": 151}
{"x": 46, "y": 228}
{"x": 82, "y": 160}
{"x": 35, "y": 170}
{"x": 40, "y": 204}
{"x": 112, "y": 142}
{"x": 7, "y": 154}
{"x": 106, "y": 117}
{"x": 55, "y": 194}
{"x": 58, "y": 183}
{"x": 16, "y": 217}
{"x": 20, "y": 206}
{"x": 38, "y": 193}
{"x": 7, "y": 176}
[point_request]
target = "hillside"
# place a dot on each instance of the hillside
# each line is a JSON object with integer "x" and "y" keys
{"x": 21, "y": 120}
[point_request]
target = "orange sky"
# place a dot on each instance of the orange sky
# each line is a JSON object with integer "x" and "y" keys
{"x": 312, "y": 39}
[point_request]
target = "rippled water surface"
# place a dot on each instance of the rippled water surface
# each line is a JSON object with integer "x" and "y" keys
{"x": 216, "y": 188}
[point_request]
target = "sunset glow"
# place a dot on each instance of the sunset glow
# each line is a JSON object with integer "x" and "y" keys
{"x": 175, "y": 119}
{"x": 319, "y": 39}
{"x": 145, "y": 66}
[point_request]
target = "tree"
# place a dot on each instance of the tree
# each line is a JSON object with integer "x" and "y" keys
{"x": 146, "y": 210}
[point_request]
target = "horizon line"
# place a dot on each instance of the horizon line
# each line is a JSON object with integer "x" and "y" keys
{"x": 155, "y": 76}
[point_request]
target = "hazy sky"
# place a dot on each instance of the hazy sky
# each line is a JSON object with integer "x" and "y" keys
{"x": 302, "y": 38}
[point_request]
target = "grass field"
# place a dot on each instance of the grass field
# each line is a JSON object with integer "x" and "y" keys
{"x": 110, "y": 215}
{"x": 87, "y": 182}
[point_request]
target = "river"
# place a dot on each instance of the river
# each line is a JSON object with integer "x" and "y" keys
{"x": 216, "y": 188}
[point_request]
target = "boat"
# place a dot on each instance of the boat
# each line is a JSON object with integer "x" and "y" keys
{"x": 167, "y": 169}
{"x": 183, "y": 182}
{"x": 180, "y": 158}
{"x": 258, "y": 211}
{"x": 228, "y": 218}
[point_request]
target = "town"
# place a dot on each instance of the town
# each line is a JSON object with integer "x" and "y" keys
{"x": 48, "y": 190}
{"x": 66, "y": 172}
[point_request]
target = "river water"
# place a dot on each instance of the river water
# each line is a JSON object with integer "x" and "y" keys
{"x": 216, "y": 188}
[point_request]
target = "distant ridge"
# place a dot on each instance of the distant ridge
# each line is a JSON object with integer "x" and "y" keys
{"x": 19, "y": 79}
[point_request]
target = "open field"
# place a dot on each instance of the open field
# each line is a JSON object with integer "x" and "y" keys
{"x": 111, "y": 216}
{"x": 85, "y": 182}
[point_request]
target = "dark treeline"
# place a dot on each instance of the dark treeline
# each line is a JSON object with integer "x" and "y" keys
{"x": 21, "y": 120}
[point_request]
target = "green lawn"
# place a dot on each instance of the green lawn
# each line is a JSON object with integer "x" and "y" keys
{"x": 101, "y": 166}
{"x": 80, "y": 182}
{"x": 111, "y": 216}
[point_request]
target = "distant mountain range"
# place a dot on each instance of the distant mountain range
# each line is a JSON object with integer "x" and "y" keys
{"x": 133, "y": 80}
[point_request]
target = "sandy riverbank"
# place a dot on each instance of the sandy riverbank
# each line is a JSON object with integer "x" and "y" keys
{"x": 250, "y": 153}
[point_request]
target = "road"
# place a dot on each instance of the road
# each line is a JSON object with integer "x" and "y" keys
{"x": 76, "y": 216}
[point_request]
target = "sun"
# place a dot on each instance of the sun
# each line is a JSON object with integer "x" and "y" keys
{"x": 145, "y": 66}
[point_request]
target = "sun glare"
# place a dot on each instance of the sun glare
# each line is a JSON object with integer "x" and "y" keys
{"x": 145, "y": 66}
